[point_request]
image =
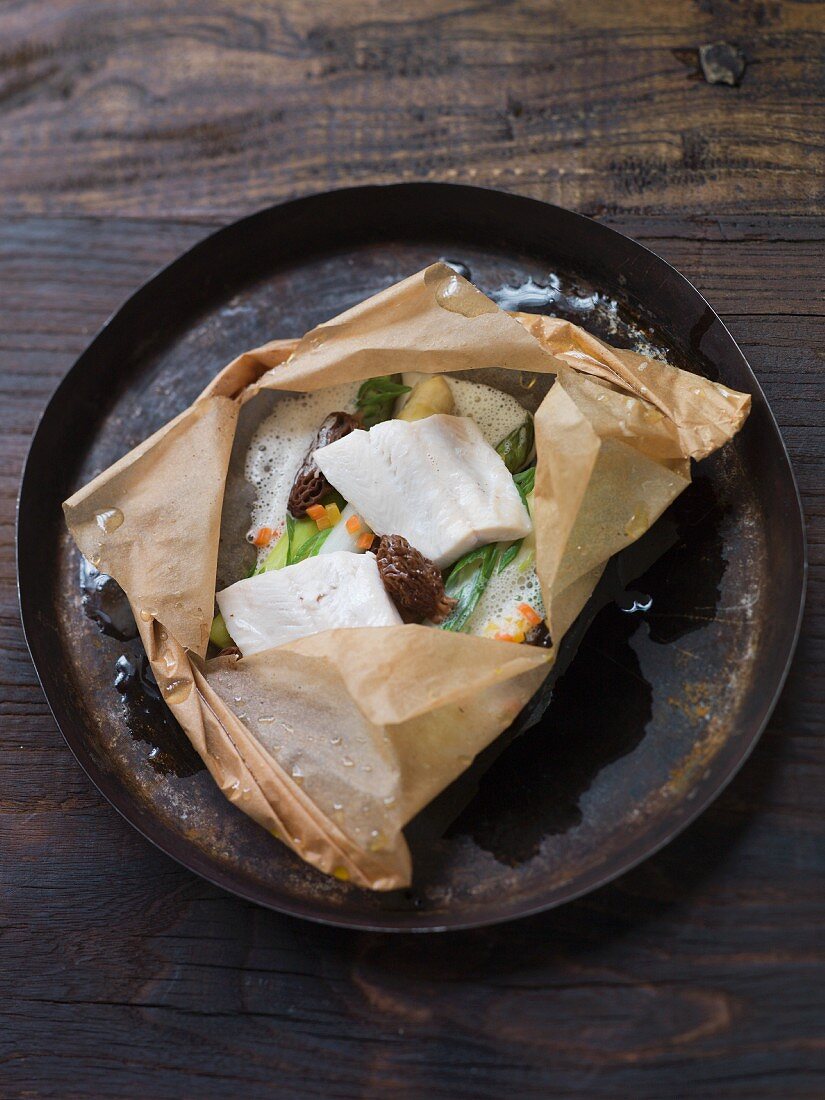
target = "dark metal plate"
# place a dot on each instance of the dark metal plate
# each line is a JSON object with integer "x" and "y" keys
{"x": 659, "y": 708}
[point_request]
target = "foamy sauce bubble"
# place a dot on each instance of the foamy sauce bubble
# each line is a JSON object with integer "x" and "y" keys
{"x": 497, "y": 610}
{"x": 279, "y": 444}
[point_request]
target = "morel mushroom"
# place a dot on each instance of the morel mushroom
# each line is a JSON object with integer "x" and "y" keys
{"x": 412, "y": 580}
{"x": 310, "y": 485}
{"x": 539, "y": 635}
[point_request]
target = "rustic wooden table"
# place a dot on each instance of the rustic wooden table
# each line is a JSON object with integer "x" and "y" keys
{"x": 128, "y": 131}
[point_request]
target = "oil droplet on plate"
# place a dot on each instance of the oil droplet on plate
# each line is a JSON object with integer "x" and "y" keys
{"x": 109, "y": 519}
{"x": 348, "y": 763}
{"x": 527, "y": 379}
{"x": 341, "y": 873}
{"x": 297, "y": 773}
{"x": 148, "y": 613}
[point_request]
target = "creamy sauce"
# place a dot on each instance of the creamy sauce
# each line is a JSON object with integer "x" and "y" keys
{"x": 279, "y": 445}
{"x": 497, "y": 611}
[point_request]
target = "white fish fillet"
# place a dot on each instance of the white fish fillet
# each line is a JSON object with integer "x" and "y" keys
{"x": 320, "y": 593}
{"x": 436, "y": 481}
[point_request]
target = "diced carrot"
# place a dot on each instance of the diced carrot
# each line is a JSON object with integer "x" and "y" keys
{"x": 315, "y": 511}
{"x": 365, "y": 541}
{"x": 529, "y": 613}
{"x": 333, "y": 513}
{"x": 323, "y": 523}
{"x": 263, "y": 536}
{"x": 354, "y": 524}
{"x": 504, "y": 637}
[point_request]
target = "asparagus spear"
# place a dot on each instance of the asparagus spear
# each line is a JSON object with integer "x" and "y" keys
{"x": 516, "y": 448}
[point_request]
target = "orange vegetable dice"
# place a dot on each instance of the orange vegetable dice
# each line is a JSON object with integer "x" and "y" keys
{"x": 365, "y": 541}
{"x": 333, "y": 513}
{"x": 529, "y": 613}
{"x": 504, "y": 637}
{"x": 323, "y": 523}
{"x": 316, "y": 511}
{"x": 354, "y": 524}
{"x": 263, "y": 536}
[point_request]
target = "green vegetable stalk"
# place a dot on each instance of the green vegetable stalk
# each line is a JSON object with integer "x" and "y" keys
{"x": 310, "y": 547}
{"x": 300, "y": 532}
{"x": 277, "y": 556}
{"x": 377, "y": 396}
{"x": 516, "y": 448}
{"x": 466, "y": 583}
{"x": 526, "y": 483}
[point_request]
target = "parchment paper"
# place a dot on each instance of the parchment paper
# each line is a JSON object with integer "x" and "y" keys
{"x": 335, "y": 742}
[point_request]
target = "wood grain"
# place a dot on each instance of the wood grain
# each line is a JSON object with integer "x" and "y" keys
{"x": 216, "y": 106}
{"x": 700, "y": 971}
{"x": 127, "y": 131}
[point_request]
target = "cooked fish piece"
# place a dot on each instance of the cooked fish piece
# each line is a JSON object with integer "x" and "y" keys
{"x": 320, "y": 593}
{"x": 436, "y": 481}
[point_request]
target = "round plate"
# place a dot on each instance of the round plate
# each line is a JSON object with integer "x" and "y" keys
{"x": 672, "y": 683}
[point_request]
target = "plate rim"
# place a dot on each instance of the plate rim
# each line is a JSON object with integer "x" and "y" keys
{"x": 150, "y": 827}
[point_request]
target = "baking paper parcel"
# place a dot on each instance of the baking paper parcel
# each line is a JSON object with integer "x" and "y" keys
{"x": 333, "y": 743}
